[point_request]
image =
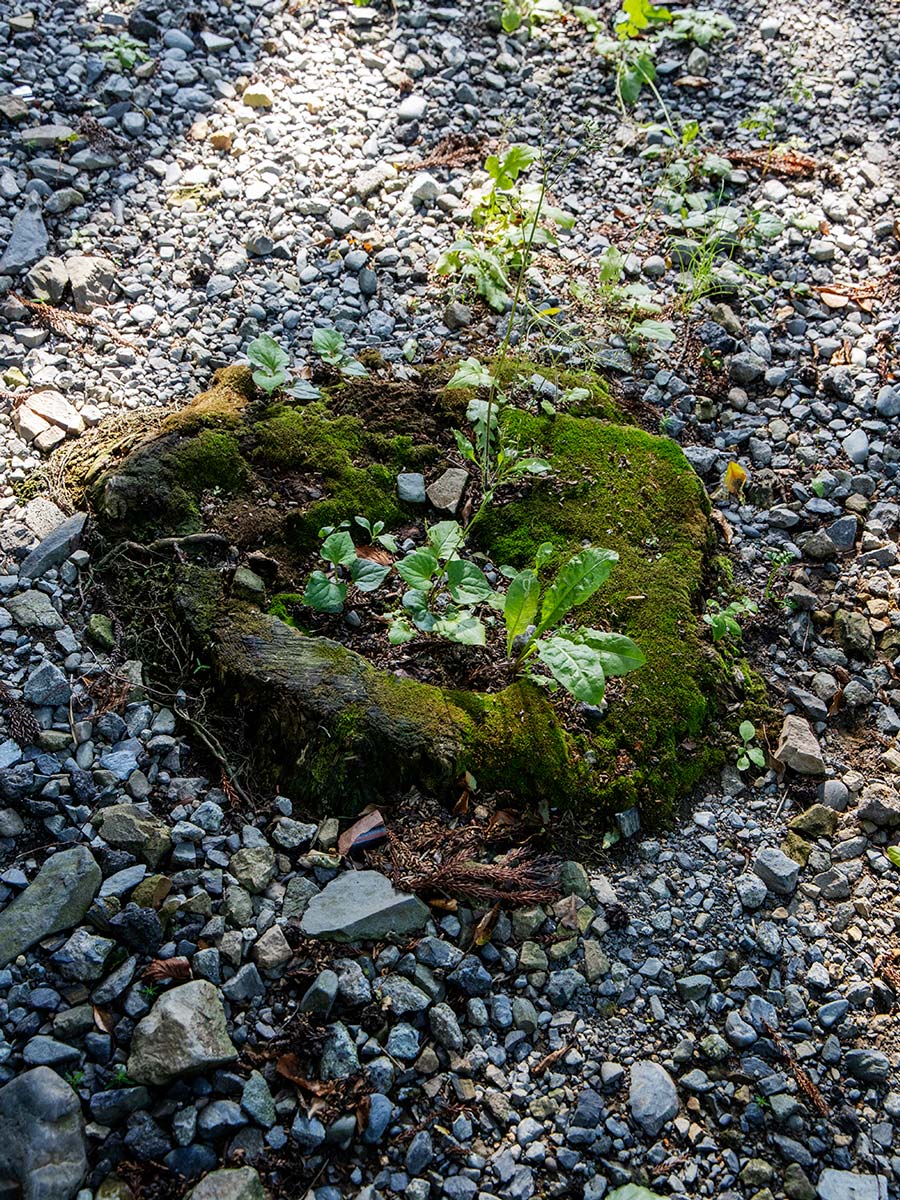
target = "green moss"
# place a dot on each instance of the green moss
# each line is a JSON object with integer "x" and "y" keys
{"x": 597, "y": 403}
{"x": 634, "y": 493}
{"x": 222, "y": 407}
{"x": 283, "y": 605}
{"x": 314, "y": 439}
{"x": 210, "y": 460}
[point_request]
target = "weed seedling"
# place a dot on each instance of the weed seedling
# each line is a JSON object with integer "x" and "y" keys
{"x": 748, "y": 753}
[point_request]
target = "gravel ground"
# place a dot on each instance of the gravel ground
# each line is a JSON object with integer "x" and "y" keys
{"x": 714, "y": 1014}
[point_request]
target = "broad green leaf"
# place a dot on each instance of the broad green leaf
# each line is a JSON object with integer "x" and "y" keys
{"x": 576, "y": 666}
{"x": 445, "y": 538}
{"x": 464, "y": 446}
{"x": 575, "y": 395}
{"x": 416, "y": 604}
{"x": 418, "y": 569}
{"x": 364, "y": 523}
{"x": 388, "y": 541}
{"x": 589, "y": 19}
{"x": 467, "y": 583}
{"x": 323, "y": 594}
{"x": 893, "y": 853}
{"x": 368, "y": 575}
{"x": 768, "y": 225}
{"x": 531, "y": 466}
{"x": 715, "y": 164}
{"x": 471, "y": 373}
{"x": 338, "y": 548}
{"x": 265, "y": 352}
{"x": 353, "y": 368}
{"x": 465, "y": 629}
{"x": 655, "y": 331}
{"x": 328, "y": 344}
{"x": 756, "y": 755}
{"x": 400, "y": 631}
{"x": 302, "y": 389}
{"x": 747, "y": 730}
{"x": 521, "y": 605}
{"x": 543, "y": 554}
{"x": 268, "y": 380}
{"x": 618, "y": 653}
{"x": 507, "y": 170}
{"x": 576, "y": 582}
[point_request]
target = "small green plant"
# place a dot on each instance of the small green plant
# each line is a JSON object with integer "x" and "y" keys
{"x": 578, "y": 659}
{"x": 326, "y": 593}
{"x": 119, "y": 1078}
{"x": 329, "y": 344}
{"x": 149, "y": 990}
{"x": 748, "y": 753}
{"x": 121, "y": 51}
{"x": 724, "y": 621}
{"x": 270, "y": 370}
{"x": 778, "y": 560}
{"x": 509, "y": 217}
{"x": 518, "y": 13}
{"x": 631, "y": 60}
{"x": 269, "y": 361}
{"x": 701, "y": 26}
{"x": 74, "y": 1079}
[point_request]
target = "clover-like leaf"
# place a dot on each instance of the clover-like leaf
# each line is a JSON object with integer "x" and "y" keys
{"x": 338, "y": 548}
{"x": 323, "y": 594}
{"x": 418, "y": 569}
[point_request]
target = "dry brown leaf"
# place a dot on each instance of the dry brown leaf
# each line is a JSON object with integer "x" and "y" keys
{"x": 370, "y": 824}
{"x": 104, "y": 1021}
{"x": 549, "y": 1059}
{"x": 841, "y": 356}
{"x": 375, "y": 554}
{"x": 834, "y": 299}
{"x": 485, "y": 926}
{"x": 721, "y": 521}
{"x": 167, "y": 968}
{"x": 692, "y": 81}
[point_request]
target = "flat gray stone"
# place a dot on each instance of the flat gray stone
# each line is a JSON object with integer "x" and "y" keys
{"x": 56, "y": 547}
{"x": 778, "y": 872}
{"x": 56, "y": 899}
{"x": 363, "y": 906}
{"x": 33, "y": 610}
{"x": 28, "y": 240}
{"x": 847, "y": 1185}
{"x": 447, "y": 490}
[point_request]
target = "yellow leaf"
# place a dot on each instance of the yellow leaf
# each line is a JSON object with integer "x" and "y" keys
{"x": 735, "y": 478}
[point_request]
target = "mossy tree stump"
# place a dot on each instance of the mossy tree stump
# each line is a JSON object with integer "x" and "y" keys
{"x": 332, "y": 730}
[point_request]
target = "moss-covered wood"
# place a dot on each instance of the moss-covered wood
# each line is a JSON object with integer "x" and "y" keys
{"x": 329, "y": 727}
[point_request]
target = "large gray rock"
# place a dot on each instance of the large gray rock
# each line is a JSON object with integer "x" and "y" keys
{"x": 42, "y": 1136}
{"x": 185, "y": 1031}
{"x": 846, "y": 1185}
{"x": 652, "y": 1097}
{"x": 242, "y": 1183}
{"x": 778, "y": 872}
{"x": 28, "y": 241}
{"x": 362, "y": 906}
{"x": 799, "y": 748}
{"x": 56, "y": 899}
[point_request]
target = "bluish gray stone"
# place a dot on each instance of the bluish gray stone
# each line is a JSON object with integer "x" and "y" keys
{"x": 58, "y": 898}
{"x": 55, "y": 548}
{"x": 652, "y": 1097}
{"x": 43, "y": 1145}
